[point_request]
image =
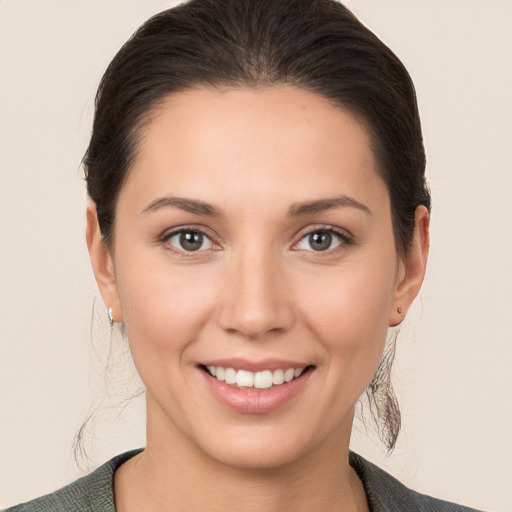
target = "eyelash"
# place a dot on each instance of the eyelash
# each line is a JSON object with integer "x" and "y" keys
{"x": 164, "y": 239}
{"x": 345, "y": 237}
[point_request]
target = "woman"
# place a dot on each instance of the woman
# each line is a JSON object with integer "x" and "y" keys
{"x": 258, "y": 219}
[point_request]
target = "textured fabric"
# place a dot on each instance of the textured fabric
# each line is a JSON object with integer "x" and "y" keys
{"x": 94, "y": 492}
{"x": 386, "y": 494}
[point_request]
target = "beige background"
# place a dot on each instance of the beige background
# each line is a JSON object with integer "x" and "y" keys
{"x": 454, "y": 362}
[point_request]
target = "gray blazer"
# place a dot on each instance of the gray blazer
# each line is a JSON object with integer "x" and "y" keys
{"x": 94, "y": 492}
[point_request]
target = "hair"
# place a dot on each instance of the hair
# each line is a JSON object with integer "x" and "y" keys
{"x": 315, "y": 45}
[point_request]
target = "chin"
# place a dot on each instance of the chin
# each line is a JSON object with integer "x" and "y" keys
{"x": 261, "y": 447}
{"x": 257, "y": 456}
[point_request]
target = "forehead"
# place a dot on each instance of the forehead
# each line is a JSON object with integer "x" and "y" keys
{"x": 279, "y": 143}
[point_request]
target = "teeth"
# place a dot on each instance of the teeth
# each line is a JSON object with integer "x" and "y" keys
{"x": 278, "y": 377}
{"x": 259, "y": 380}
{"x": 220, "y": 373}
{"x": 263, "y": 380}
{"x": 231, "y": 376}
{"x": 289, "y": 374}
{"x": 244, "y": 379}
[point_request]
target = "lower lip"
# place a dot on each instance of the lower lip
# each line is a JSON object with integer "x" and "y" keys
{"x": 256, "y": 401}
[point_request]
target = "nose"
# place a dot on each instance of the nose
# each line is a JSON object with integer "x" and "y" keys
{"x": 256, "y": 301}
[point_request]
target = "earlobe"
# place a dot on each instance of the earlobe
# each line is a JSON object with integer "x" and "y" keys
{"x": 414, "y": 266}
{"x": 102, "y": 264}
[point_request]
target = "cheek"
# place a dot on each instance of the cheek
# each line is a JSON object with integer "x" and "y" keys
{"x": 347, "y": 309}
{"x": 164, "y": 307}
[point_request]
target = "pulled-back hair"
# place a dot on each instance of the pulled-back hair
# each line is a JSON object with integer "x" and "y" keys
{"x": 316, "y": 45}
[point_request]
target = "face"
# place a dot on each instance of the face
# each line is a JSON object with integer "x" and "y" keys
{"x": 253, "y": 242}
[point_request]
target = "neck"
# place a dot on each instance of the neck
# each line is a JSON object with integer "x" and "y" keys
{"x": 173, "y": 474}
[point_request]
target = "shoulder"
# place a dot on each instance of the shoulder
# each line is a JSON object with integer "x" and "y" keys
{"x": 386, "y": 494}
{"x": 93, "y": 492}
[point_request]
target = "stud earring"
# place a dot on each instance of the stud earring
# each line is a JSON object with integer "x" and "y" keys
{"x": 110, "y": 316}
{"x": 401, "y": 311}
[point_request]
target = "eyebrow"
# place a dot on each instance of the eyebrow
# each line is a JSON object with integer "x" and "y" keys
{"x": 296, "y": 210}
{"x": 322, "y": 205}
{"x": 189, "y": 205}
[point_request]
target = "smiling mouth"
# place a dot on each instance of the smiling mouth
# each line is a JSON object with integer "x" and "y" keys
{"x": 266, "y": 379}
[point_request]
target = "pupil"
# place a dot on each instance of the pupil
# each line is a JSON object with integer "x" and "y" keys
{"x": 191, "y": 241}
{"x": 320, "y": 241}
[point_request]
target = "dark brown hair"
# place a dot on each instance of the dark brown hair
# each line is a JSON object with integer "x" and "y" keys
{"x": 316, "y": 45}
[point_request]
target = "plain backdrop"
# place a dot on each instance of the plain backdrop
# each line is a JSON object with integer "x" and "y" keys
{"x": 453, "y": 368}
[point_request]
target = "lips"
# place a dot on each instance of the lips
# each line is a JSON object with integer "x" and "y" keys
{"x": 255, "y": 388}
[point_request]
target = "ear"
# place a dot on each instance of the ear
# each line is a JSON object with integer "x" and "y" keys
{"x": 102, "y": 263}
{"x": 412, "y": 268}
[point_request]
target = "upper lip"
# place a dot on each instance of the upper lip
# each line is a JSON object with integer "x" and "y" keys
{"x": 255, "y": 366}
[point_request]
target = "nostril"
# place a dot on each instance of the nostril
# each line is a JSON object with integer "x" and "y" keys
{"x": 255, "y": 322}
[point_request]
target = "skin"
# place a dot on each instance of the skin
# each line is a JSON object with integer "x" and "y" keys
{"x": 258, "y": 290}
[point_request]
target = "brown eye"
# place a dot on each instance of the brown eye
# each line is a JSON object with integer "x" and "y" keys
{"x": 190, "y": 241}
{"x": 321, "y": 240}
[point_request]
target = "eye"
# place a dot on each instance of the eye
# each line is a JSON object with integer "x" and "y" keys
{"x": 321, "y": 240}
{"x": 189, "y": 240}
